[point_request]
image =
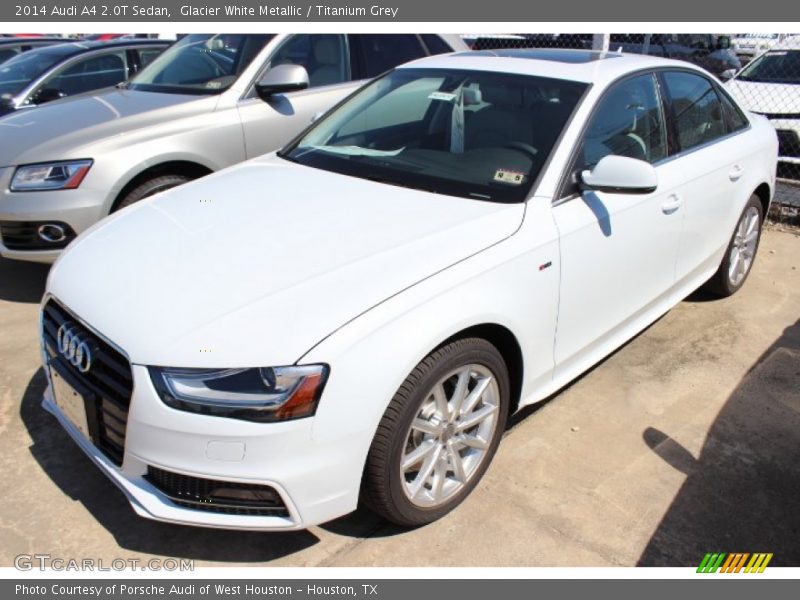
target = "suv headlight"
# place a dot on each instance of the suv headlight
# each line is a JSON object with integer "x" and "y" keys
{"x": 254, "y": 394}
{"x": 62, "y": 175}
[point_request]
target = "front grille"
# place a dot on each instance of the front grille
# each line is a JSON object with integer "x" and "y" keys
{"x": 228, "y": 497}
{"x": 788, "y": 143}
{"x": 107, "y": 386}
{"x": 24, "y": 235}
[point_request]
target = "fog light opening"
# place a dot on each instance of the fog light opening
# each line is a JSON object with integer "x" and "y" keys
{"x": 52, "y": 233}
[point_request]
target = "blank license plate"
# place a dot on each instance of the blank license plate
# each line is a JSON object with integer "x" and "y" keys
{"x": 70, "y": 402}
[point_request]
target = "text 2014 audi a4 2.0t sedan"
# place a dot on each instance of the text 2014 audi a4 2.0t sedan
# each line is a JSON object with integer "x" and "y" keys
{"x": 355, "y": 316}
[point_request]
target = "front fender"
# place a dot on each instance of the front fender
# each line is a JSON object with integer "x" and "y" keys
{"x": 506, "y": 284}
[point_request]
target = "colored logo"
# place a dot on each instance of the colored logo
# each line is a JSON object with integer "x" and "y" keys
{"x": 735, "y": 562}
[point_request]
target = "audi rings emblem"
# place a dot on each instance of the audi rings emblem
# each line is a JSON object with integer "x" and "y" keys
{"x": 73, "y": 347}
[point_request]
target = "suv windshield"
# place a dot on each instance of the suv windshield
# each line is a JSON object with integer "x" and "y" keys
{"x": 18, "y": 72}
{"x": 479, "y": 135}
{"x": 200, "y": 64}
{"x": 777, "y": 66}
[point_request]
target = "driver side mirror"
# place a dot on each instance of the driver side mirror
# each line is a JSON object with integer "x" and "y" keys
{"x": 281, "y": 79}
{"x": 727, "y": 74}
{"x": 620, "y": 175}
{"x": 47, "y": 95}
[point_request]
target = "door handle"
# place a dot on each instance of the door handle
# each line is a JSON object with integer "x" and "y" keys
{"x": 735, "y": 173}
{"x": 672, "y": 204}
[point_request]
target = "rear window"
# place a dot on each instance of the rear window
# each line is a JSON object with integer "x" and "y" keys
{"x": 381, "y": 52}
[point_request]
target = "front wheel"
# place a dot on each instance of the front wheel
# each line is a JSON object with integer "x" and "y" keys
{"x": 150, "y": 187}
{"x": 438, "y": 434}
{"x": 741, "y": 251}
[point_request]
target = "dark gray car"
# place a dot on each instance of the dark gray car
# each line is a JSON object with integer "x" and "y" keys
{"x": 67, "y": 69}
{"x": 14, "y": 46}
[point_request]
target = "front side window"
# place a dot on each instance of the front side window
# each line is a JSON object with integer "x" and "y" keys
{"x": 695, "y": 107}
{"x": 477, "y": 135}
{"x": 628, "y": 121}
{"x": 200, "y": 64}
{"x": 91, "y": 73}
{"x": 6, "y": 53}
{"x": 19, "y": 71}
{"x": 324, "y": 57}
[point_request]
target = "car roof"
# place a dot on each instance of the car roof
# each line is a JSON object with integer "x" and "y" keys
{"x": 30, "y": 40}
{"x": 70, "y": 49}
{"x": 588, "y": 66}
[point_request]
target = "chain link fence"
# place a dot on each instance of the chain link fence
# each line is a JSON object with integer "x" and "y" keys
{"x": 762, "y": 71}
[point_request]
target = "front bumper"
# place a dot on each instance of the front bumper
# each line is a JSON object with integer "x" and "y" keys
{"x": 79, "y": 209}
{"x": 317, "y": 482}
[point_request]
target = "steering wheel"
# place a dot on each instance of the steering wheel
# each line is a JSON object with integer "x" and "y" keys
{"x": 522, "y": 147}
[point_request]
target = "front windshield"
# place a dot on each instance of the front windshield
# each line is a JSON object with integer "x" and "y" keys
{"x": 479, "y": 135}
{"x": 781, "y": 66}
{"x": 18, "y": 72}
{"x": 200, "y": 64}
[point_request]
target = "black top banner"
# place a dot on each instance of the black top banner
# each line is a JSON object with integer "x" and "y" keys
{"x": 415, "y": 11}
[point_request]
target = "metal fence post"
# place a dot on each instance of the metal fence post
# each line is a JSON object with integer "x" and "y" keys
{"x": 600, "y": 41}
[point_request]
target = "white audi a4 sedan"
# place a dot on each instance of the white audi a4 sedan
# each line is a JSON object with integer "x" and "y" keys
{"x": 355, "y": 317}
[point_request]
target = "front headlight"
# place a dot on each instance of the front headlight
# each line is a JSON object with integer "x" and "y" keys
{"x": 255, "y": 394}
{"x": 63, "y": 175}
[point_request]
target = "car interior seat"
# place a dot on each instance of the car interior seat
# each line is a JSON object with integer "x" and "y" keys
{"x": 504, "y": 119}
{"x": 328, "y": 65}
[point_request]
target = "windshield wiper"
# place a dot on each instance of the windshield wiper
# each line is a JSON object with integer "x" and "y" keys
{"x": 379, "y": 179}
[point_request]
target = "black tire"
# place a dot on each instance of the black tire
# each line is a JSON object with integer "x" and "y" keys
{"x": 383, "y": 484}
{"x": 721, "y": 283}
{"x": 150, "y": 187}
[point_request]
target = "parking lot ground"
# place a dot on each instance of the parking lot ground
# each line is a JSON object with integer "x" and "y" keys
{"x": 685, "y": 441}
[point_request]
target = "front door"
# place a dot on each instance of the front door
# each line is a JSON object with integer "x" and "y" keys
{"x": 618, "y": 250}
{"x": 269, "y": 125}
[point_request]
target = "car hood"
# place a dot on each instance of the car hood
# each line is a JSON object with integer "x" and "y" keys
{"x": 256, "y": 264}
{"x": 63, "y": 129}
{"x": 773, "y": 98}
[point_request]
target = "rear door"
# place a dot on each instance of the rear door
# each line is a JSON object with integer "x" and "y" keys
{"x": 618, "y": 251}
{"x": 707, "y": 131}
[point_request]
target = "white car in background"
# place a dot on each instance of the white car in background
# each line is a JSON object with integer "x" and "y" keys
{"x": 770, "y": 86}
{"x": 356, "y": 316}
{"x": 750, "y": 45}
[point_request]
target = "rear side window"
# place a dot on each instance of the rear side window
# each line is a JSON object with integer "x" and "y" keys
{"x": 696, "y": 109}
{"x": 734, "y": 118}
{"x": 435, "y": 44}
{"x": 146, "y": 56}
{"x": 628, "y": 122}
{"x": 378, "y": 53}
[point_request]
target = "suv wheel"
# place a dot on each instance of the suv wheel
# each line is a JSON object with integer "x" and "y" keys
{"x": 149, "y": 188}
